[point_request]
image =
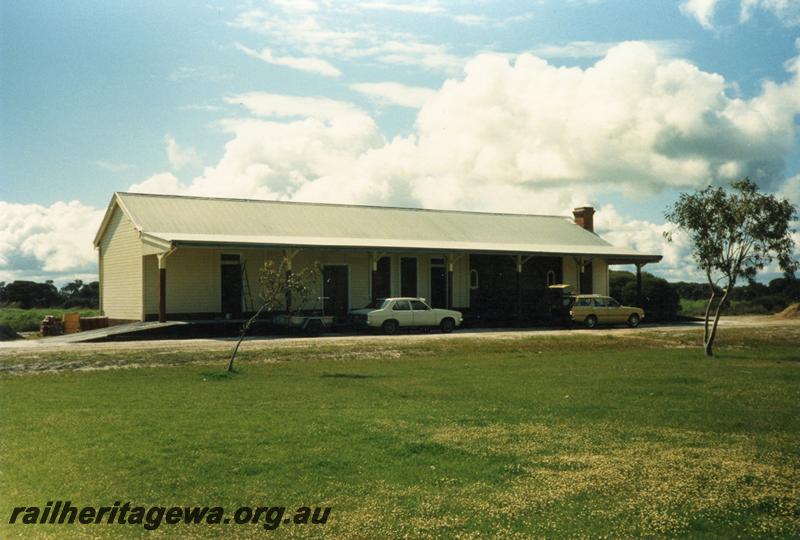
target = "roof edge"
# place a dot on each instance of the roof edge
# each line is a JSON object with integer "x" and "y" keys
{"x": 116, "y": 200}
{"x": 618, "y": 257}
{"x": 340, "y": 205}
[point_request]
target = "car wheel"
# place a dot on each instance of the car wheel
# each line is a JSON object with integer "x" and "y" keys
{"x": 447, "y": 325}
{"x": 633, "y": 320}
{"x": 591, "y": 321}
{"x": 389, "y": 327}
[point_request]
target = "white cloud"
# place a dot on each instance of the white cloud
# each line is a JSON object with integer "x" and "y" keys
{"x": 392, "y": 93}
{"x": 52, "y": 239}
{"x": 786, "y": 11}
{"x": 282, "y": 106}
{"x": 597, "y": 49}
{"x": 302, "y": 6}
{"x": 423, "y": 8}
{"x": 113, "y": 166}
{"x": 648, "y": 237}
{"x": 307, "y": 64}
{"x": 163, "y": 183}
{"x": 521, "y": 135}
{"x": 701, "y": 10}
{"x": 204, "y": 108}
{"x": 329, "y": 37}
{"x": 471, "y": 20}
{"x": 180, "y": 156}
{"x": 790, "y": 190}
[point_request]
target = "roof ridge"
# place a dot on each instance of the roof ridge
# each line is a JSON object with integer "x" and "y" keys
{"x": 341, "y": 205}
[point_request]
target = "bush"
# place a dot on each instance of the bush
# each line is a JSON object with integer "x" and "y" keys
{"x": 7, "y": 333}
{"x": 660, "y": 300}
{"x": 29, "y": 294}
{"x": 86, "y": 303}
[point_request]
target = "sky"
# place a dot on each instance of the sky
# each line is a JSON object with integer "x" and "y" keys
{"x": 514, "y": 106}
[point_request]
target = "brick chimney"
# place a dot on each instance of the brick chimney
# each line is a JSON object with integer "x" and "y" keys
{"x": 584, "y": 217}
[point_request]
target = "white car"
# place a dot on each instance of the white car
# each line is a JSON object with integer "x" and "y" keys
{"x": 391, "y": 314}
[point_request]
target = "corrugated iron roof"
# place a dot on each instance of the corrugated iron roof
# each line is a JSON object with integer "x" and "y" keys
{"x": 181, "y": 220}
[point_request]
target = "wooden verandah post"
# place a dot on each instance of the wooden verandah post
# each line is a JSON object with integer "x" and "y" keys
{"x": 162, "y": 284}
{"x": 639, "y": 284}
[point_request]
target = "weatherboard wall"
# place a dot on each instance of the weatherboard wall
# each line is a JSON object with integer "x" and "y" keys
{"x": 121, "y": 258}
{"x": 194, "y": 278}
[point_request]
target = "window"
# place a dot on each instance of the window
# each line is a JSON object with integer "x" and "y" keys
{"x": 584, "y": 302}
{"x": 473, "y": 279}
{"x": 600, "y": 302}
{"x": 419, "y": 306}
{"x": 437, "y": 261}
{"x": 229, "y": 258}
{"x": 612, "y": 303}
{"x": 551, "y": 278}
{"x": 401, "y": 305}
{"x": 377, "y": 303}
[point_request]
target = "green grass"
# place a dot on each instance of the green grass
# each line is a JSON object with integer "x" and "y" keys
{"x": 545, "y": 436}
{"x": 27, "y": 320}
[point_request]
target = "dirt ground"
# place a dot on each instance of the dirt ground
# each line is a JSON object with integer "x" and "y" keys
{"x": 37, "y": 346}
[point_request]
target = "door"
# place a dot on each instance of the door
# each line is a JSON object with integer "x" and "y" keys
{"x": 231, "y": 285}
{"x": 401, "y": 311}
{"x": 615, "y": 312}
{"x": 408, "y": 276}
{"x": 382, "y": 279}
{"x": 423, "y": 315}
{"x": 601, "y": 310}
{"x": 335, "y": 289}
{"x": 438, "y": 297}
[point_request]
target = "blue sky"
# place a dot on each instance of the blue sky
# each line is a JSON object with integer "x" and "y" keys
{"x": 504, "y": 106}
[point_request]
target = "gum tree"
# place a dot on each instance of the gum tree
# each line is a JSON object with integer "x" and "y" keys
{"x": 279, "y": 287}
{"x": 735, "y": 233}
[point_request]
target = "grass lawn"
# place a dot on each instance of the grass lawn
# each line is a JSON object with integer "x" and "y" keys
{"x": 27, "y": 320}
{"x": 579, "y": 436}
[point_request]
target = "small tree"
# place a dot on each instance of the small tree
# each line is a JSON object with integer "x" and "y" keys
{"x": 734, "y": 235}
{"x": 278, "y": 286}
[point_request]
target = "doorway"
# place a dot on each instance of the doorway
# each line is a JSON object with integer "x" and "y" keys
{"x": 438, "y": 297}
{"x": 408, "y": 276}
{"x": 231, "y": 285}
{"x": 336, "y": 290}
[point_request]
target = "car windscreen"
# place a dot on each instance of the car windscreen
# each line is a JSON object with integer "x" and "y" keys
{"x": 378, "y": 303}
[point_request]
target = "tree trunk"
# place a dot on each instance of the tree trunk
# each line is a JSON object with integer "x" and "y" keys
{"x": 245, "y": 328}
{"x": 708, "y": 312}
{"x": 708, "y": 341}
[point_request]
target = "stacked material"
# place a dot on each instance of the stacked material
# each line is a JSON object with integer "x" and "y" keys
{"x": 50, "y": 326}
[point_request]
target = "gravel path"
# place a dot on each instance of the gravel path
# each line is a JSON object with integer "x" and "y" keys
{"x": 37, "y": 346}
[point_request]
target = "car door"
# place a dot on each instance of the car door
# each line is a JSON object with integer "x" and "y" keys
{"x": 601, "y": 310}
{"x": 615, "y": 312}
{"x": 423, "y": 314}
{"x": 401, "y": 312}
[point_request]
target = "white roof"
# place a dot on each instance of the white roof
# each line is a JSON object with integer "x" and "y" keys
{"x": 174, "y": 221}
